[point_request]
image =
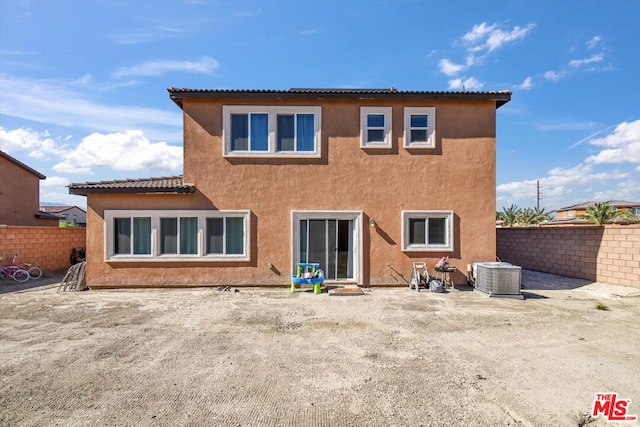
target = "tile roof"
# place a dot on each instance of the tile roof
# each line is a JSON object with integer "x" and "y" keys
{"x": 48, "y": 215}
{"x": 165, "y": 184}
{"x": 22, "y": 165}
{"x": 57, "y": 208}
{"x": 178, "y": 94}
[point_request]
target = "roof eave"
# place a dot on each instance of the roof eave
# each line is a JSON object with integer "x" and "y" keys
{"x": 22, "y": 165}
{"x": 178, "y": 95}
{"x": 83, "y": 191}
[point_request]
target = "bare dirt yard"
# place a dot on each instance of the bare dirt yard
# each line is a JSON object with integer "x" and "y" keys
{"x": 266, "y": 357}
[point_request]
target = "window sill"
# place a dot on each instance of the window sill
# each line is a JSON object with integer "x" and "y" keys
{"x": 420, "y": 146}
{"x": 269, "y": 155}
{"x": 371, "y": 145}
{"x": 177, "y": 258}
{"x": 429, "y": 248}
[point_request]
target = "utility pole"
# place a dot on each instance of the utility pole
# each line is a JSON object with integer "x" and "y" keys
{"x": 538, "y": 194}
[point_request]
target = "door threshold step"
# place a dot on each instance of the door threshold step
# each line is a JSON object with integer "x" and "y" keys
{"x": 346, "y": 291}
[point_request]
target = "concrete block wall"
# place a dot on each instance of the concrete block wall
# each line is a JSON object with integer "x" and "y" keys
{"x": 47, "y": 247}
{"x": 608, "y": 254}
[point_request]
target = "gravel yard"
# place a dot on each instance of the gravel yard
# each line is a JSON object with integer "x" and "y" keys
{"x": 266, "y": 357}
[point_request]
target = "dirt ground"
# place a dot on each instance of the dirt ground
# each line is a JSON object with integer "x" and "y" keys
{"x": 266, "y": 357}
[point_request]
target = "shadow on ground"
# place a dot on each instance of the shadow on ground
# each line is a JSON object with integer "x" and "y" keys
{"x": 538, "y": 281}
{"x": 45, "y": 282}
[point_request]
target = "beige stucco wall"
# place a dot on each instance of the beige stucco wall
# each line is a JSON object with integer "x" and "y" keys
{"x": 458, "y": 175}
{"x": 19, "y": 196}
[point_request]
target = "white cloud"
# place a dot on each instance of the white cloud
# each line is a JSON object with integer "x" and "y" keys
{"x": 595, "y": 40}
{"x": 38, "y": 144}
{"x": 590, "y": 60}
{"x": 622, "y": 146}
{"x": 526, "y": 84}
{"x": 497, "y": 38}
{"x": 58, "y": 102}
{"x": 470, "y": 83}
{"x": 481, "y": 40}
{"x": 575, "y": 65}
{"x": 554, "y": 76}
{"x": 478, "y": 32}
{"x": 449, "y": 68}
{"x": 129, "y": 150}
{"x": 54, "y": 181}
{"x": 491, "y": 37}
{"x": 204, "y": 65}
{"x": 625, "y": 190}
{"x": 558, "y": 184}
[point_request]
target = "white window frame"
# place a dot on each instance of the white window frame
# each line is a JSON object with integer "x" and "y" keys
{"x": 272, "y": 112}
{"x": 155, "y": 215}
{"x": 356, "y": 216}
{"x": 364, "y": 113}
{"x": 449, "y": 235}
{"x": 430, "y": 112}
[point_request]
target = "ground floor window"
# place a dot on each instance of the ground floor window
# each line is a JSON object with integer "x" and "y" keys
{"x": 132, "y": 236}
{"x": 427, "y": 231}
{"x": 180, "y": 235}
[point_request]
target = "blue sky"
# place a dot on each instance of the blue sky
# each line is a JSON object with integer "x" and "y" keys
{"x": 83, "y": 83}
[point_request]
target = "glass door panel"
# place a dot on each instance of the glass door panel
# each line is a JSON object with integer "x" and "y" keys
{"x": 328, "y": 242}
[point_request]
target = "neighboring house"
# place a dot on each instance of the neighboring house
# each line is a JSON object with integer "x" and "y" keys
{"x": 71, "y": 214}
{"x": 20, "y": 194}
{"x": 570, "y": 214}
{"x": 363, "y": 181}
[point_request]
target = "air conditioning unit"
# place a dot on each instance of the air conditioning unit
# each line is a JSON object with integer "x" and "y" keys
{"x": 499, "y": 279}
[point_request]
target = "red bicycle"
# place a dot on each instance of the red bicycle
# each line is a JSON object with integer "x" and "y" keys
{"x": 34, "y": 272}
{"x": 13, "y": 272}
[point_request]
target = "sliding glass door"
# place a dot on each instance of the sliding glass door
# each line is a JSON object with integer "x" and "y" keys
{"x": 329, "y": 242}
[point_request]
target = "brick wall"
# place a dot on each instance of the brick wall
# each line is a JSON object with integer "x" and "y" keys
{"x": 47, "y": 247}
{"x": 605, "y": 254}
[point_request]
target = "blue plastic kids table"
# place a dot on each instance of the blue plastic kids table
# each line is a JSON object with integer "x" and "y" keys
{"x": 308, "y": 273}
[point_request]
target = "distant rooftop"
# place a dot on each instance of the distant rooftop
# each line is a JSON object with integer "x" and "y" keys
{"x": 501, "y": 97}
{"x": 614, "y": 203}
{"x": 55, "y": 209}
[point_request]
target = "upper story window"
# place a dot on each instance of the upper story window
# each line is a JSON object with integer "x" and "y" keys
{"x": 419, "y": 127}
{"x": 162, "y": 235}
{"x": 375, "y": 127}
{"x": 427, "y": 231}
{"x": 267, "y": 131}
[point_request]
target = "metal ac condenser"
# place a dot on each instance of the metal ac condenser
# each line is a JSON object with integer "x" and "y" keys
{"x": 499, "y": 279}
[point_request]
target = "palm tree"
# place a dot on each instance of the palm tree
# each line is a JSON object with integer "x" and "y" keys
{"x": 599, "y": 213}
{"x": 509, "y": 215}
{"x": 626, "y": 215}
{"x": 540, "y": 216}
{"x": 526, "y": 217}
{"x": 532, "y": 216}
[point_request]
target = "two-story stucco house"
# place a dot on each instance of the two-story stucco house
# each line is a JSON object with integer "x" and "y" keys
{"x": 570, "y": 214}
{"x": 362, "y": 181}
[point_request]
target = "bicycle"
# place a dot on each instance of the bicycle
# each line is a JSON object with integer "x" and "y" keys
{"x": 13, "y": 272}
{"x": 34, "y": 272}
